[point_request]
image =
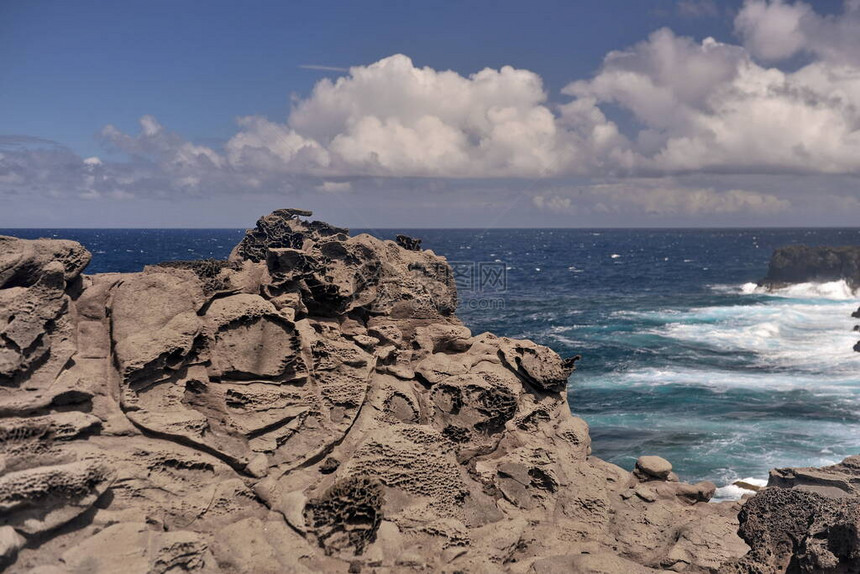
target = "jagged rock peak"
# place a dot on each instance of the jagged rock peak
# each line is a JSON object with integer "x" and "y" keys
{"x": 283, "y": 228}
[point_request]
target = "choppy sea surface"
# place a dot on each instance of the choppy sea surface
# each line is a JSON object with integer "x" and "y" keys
{"x": 682, "y": 356}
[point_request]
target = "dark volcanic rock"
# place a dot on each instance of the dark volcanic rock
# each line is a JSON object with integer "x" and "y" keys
{"x": 283, "y": 228}
{"x": 800, "y": 264}
{"x": 311, "y": 405}
{"x": 408, "y": 243}
{"x": 806, "y": 521}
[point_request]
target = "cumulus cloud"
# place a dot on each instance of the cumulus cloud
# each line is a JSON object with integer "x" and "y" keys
{"x": 392, "y": 118}
{"x": 167, "y": 149}
{"x": 710, "y": 106}
{"x": 47, "y": 169}
{"x": 774, "y": 30}
{"x": 687, "y": 106}
{"x": 698, "y": 106}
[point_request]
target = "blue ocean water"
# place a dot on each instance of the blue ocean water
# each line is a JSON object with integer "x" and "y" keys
{"x": 682, "y": 356}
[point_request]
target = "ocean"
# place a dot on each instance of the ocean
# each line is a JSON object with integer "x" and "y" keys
{"x": 682, "y": 356}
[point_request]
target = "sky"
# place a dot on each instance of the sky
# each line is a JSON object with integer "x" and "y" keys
{"x": 373, "y": 114}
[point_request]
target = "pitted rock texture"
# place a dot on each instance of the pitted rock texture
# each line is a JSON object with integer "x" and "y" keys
{"x": 311, "y": 405}
{"x": 806, "y": 521}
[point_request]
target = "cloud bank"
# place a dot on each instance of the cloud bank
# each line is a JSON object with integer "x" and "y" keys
{"x": 665, "y": 107}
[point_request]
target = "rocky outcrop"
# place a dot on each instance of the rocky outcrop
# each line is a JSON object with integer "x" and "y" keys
{"x": 806, "y": 521}
{"x": 311, "y": 405}
{"x": 801, "y": 264}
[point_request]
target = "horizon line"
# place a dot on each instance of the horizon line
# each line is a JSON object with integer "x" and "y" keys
{"x": 483, "y": 229}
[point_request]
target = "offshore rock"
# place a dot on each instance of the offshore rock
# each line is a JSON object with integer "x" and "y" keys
{"x": 801, "y": 264}
{"x": 310, "y": 405}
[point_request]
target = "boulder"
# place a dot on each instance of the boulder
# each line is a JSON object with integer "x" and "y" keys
{"x": 653, "y": 467}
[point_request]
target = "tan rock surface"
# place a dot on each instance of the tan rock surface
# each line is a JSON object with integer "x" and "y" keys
{"x": 310, "y": 405}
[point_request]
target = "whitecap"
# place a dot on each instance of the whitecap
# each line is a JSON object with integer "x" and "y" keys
{"x": 782, "y": 333}
{"x": 733, "y": 491}
{"x": 716, "y": 380}
{"x": 835, "y": 290}
{"x": 615, "y": 256}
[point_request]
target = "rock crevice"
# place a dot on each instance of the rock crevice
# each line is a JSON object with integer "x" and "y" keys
{"x": 313, "y": 404}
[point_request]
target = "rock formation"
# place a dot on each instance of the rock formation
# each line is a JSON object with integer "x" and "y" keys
{"x": 807, "y": 521}
{"x": 801, "y": 264}
{"x": 310, "y": 405}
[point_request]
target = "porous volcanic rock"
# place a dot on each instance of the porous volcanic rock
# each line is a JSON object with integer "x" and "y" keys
{"x": 806, "y": 521}
{"x": 310, "y": 405}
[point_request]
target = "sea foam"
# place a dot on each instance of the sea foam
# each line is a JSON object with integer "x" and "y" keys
{"x": 837, "y": 290}
{"x": 734, "y": 492}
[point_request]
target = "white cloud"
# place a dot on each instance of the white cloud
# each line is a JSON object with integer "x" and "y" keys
{"x": 657, "y": 197}
{"x": 698, "y": 106}
{"x": 270, "y": 147}
{"x": 711, "y": 107}
{"x": 169, "y": 150}
{"x": 552, "y": 202}
{"x": 774, "y": 30}
{"x": 391, "y": 118}
{"x": 687, "y": 107}
{"x": 335, "y": 186}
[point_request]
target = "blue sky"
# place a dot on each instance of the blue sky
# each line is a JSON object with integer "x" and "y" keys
{"x": 69, "y": 69}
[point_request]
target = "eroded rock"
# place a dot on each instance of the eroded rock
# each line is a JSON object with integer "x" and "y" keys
{"x": 312, "y": 404}
{"x": 653, "y": 467}
{"x": 807, "y": 520}
{"x": 346, "y": 516}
